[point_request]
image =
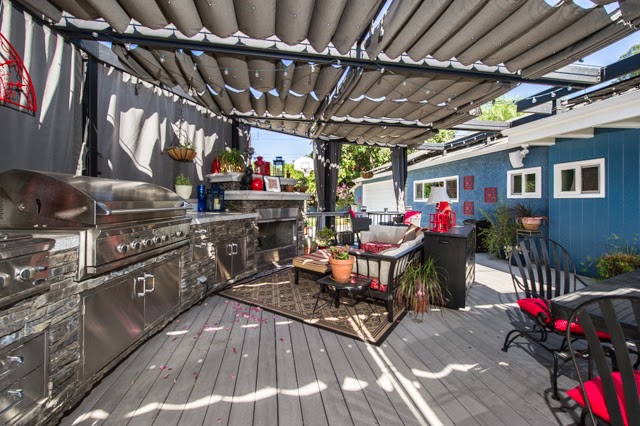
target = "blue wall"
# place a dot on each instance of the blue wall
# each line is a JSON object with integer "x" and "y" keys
{"x": 583, "y": 225}
{"x": 489, "y": 171}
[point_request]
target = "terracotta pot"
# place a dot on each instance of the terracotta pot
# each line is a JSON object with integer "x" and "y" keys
{"x": 532, "y": 223}
{"x": 341, "y": 269}
{"x": 287, "y": 188}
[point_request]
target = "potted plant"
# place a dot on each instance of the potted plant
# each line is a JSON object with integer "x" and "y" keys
{"x": 420, "y": 288}
{"x": 231, "y": 160}
{"x": 186, "y": 149}
{"x": 341, "y": 263}
{"x": 525, "y": 216}
{"x": 183, "y": 186}
{"x": 325, "y": 237}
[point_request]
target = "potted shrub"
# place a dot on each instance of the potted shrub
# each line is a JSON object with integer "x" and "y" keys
{"x": 341, "y": 263}
{"x": 526, "y": 216}
{"x": 183, "y": 186}
{"x": 420, "y": 288}
{"x": 231, "y": 160}
{"x": 325, "y": 237}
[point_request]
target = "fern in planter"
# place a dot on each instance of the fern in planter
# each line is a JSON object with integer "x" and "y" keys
{"x": 420, "y": 287}
{"x": 501, "y": 235}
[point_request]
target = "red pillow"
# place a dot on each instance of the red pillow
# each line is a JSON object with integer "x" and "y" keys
{"x": 595, "y": 393}
{"x": 352, "y": 213}
{"x": 536, "y": 307}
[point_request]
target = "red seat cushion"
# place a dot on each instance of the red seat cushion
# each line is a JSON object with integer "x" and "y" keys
{"x": 595, "y": 393}
{"x": 561, "y": 326}
{"x": 375, "y": 284}
{"x": 536, "y": 307}
{"x": 374, "y": 247}
{"x": 352, "y": 213}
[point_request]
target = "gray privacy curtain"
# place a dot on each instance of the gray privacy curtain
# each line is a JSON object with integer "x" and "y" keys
{"x": 50, "y": 140}
{"x": 326, "y": 164}
{"x": 399, "y": 172}
{"x": 138, "y": 122}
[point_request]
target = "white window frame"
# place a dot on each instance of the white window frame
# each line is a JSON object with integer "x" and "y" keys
{"x": 577, "y": 166}
{"x": 537, "y": 171}
{"x": 436, "y": 180}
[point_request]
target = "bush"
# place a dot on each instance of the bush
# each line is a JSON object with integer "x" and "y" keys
{"x": 619, "y": 258}
{"x": 501, "y": 235}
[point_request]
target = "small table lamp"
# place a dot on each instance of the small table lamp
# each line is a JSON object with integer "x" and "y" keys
{"x": 444, "y": 218}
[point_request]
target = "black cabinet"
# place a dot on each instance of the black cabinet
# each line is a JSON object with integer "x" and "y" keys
{"x": 454, "y": 253}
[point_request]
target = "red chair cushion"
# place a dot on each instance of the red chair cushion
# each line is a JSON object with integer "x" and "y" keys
{"x": 561, "y": 326}
{"x": 595, "y": 393}
{"x": 536, "y": 307}
{"x": 375, "y": 284}
{"x": 374, "y": 247}
{"x": 352, "y": 213}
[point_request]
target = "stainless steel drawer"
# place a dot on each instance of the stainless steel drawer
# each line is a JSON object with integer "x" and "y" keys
{"x": 21, "y": 394}
{"x": 21, "y": 360}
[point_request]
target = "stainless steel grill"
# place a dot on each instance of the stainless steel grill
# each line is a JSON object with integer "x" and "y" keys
{"x": 24, "y": 266}
{"x": 119, "y": 222}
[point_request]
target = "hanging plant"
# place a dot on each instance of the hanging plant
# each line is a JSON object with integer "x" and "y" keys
{"x": 185, "y": 149}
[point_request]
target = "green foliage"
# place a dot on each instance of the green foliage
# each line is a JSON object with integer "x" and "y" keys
{"x": 501, "y": 109}
{"x": 620, "y": 257}
{"x": 325, "y": 236}
{"x": 501, "y": 235}
{"x": 442, "y": 136}
{"x": 231, "y": 157}
{"x": 182, "y": 180}
{"x": 340, "y": 252}
{"x": 358, "y": 158}
{"x": 420, "y": 287}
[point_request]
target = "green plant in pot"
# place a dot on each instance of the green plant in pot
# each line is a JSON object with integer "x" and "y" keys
{"x": 183, "y": 186}
{"x": 527, "y": 217}
{"x": 231, "y": 160}
{"x": 341, "y": 263}
{"x": 325, "y": 237}
{"x": 420, "y": 287}
{"x": 501, "y": 235}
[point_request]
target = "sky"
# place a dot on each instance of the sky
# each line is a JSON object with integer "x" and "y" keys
{"x": 271, "y": 144}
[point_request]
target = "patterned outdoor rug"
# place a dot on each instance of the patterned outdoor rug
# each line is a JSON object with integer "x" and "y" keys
{"x": 278, "y": 293}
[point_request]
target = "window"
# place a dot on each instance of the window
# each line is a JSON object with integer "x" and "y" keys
{"x": 579, "y": 179}
{"x": 422, "y": 188}
{"x": 524, "y": 183}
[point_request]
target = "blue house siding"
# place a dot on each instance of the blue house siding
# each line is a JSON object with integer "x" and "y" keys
{"x": 584, "y": 225}
{"x": 489, "y": 171}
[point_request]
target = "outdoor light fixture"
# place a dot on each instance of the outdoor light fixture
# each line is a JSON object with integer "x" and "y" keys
{"x": 444, "y": 218}
{"x": 278, "y": 167}
{"x": 516, "y": 157}
{"x": 217, "y": 199}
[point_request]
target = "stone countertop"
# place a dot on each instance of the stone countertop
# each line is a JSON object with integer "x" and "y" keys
{"x": 198, "y": 218}
{"x": 64, "y": 241}
{"x": 264, "y": 195}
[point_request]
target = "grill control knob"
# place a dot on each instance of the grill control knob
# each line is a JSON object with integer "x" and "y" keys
{"x": 157, "y": 239}
{"x": 27, "y": 273}
{"x": 135, "y": 245}
{"x": 148, "y": 242}
{"x": 165, "y": 237}
{"x": 179, "y": 233}
{"x": 122, "y": 248}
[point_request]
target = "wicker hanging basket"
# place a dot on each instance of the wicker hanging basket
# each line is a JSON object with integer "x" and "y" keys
{"x": 366, "y": 175}
{"x": 180, "y": 153}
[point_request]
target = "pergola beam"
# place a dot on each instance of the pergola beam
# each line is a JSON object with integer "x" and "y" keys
{"x": 270, "y": 53}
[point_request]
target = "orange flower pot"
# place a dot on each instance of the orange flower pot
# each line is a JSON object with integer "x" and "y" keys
{"x": 341, "y": 269}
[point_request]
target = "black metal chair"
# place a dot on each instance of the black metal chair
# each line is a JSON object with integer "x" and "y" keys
{"x": 544, "y": 270}
{"x": 359, "y": 224}
{"x": 613, "y": 395}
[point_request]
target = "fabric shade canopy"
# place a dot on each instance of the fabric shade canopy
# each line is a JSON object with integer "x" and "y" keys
{"x": 423, "y": 64}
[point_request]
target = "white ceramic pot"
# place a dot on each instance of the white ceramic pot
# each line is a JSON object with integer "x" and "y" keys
{"x": 184, "y": 191}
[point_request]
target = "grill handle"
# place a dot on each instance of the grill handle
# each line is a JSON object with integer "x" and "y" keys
{"x": 108, "y": 211}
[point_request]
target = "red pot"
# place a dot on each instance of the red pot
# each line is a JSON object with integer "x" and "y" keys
{"x": 257, "y": 184}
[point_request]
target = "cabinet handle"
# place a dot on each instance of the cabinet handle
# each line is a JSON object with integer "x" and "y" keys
{"x": 444, "y": 242}
{"x": 135, "y": 286}
{"x": 18, "y": 395}
{"x": 234, "y": 246}
{"x": 153, "y": 283}
{"x": 201, "y": 245}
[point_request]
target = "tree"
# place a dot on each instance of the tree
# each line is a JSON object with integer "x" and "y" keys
{"x": 501, "y": 109}
{"x": 359, "y": 158}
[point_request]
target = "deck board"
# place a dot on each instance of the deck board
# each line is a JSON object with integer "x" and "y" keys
{"x": 446, "y": 369}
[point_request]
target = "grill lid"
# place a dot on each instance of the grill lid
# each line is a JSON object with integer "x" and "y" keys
{"x": 14, "y": 245}
{"x": 35, "y": 198}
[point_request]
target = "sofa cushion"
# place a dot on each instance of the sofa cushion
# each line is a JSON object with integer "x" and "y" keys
{"x": 317, "y": 261}
{"x": 384, "y": 234}
{"x": 376, "y": 247}
{"x": 411, "y": 233}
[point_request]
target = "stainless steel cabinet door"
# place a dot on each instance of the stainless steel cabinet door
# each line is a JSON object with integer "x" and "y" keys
{"x": 162, "y": 290}
{"x": 224, "y": 261}
{"x": 113, "y": 318}
{"x": 239, "y": 256}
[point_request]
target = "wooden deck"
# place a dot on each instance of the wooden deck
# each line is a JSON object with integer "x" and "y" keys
{"x": 225, "y": 363}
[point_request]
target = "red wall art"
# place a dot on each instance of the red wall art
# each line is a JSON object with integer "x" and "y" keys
{"x": 16, "y": 88}
{"x": 490, "y": 195}
{"x": 467, "y": 183}
{"x": 467, "y": 208}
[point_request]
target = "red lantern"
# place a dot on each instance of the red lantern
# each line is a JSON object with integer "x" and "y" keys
{"x": 258, "y": 166}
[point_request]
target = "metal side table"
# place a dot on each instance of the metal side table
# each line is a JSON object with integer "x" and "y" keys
{"x": 355, "y": 286}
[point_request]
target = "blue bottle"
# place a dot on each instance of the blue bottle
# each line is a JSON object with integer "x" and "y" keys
{"x": 202, "y": 198}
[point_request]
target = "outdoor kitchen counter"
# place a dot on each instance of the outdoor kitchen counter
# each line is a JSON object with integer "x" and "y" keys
{"x": 64, "y": 241}
{"x": 199, "y": 218}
